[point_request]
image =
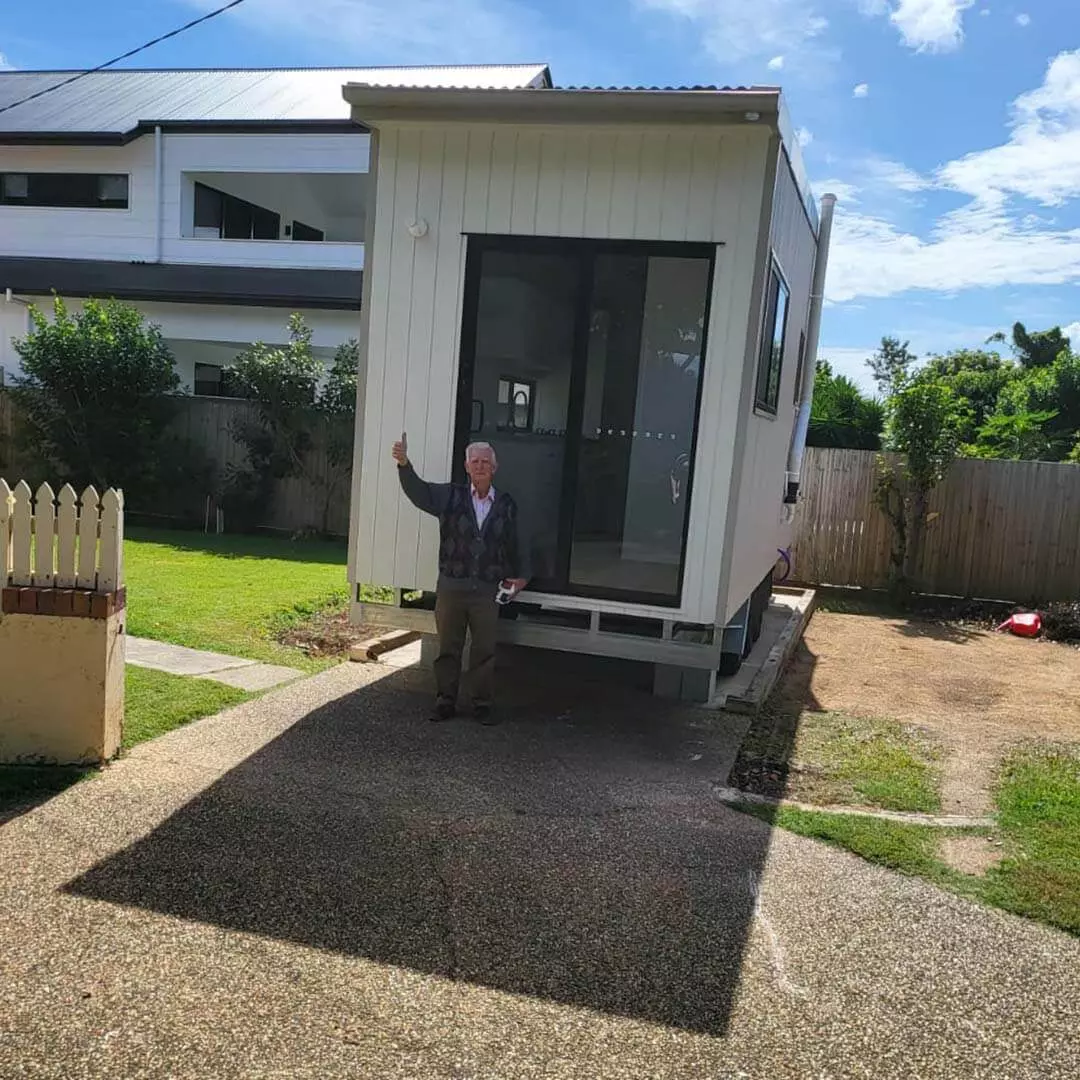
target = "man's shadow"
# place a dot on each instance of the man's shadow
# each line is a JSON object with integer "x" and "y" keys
{"x": 576, "y": 853}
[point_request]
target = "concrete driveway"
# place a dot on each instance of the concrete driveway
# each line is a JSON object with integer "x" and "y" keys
{"x": 322, "y": 884}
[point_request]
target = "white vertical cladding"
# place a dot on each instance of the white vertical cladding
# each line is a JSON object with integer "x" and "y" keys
{"x": 70, "y": 233}
{"x": 759, "y": 526}
{"x": 700, "y": 185}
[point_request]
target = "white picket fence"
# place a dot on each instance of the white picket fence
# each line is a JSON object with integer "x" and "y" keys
{"x": 63, "y": 541}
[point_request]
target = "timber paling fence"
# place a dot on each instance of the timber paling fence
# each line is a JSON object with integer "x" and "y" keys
{"x": 64, "y": 541}
{"x": 998, "y": 530}
{"x": 208, "y": 422}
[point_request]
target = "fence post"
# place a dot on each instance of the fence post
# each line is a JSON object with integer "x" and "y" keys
{"x": 7, "y": 508}
{"x": 22, "y": 531}
{"x": 88, "y": 534}
{"x": 61, "y": 648}
{"x": 111, "y": 564}
{"x": 67, "y": 519}
{"x": 44, "y": 536}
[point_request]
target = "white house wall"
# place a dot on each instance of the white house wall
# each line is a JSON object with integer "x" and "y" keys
{"x": 759, "y": 526}
{"x": 700, "y": 185}
{"x": 70, "y": 233}
{"x": 284, "y": 153}
{"x": 129, "y": 235}
{"x": 13, "y": 324}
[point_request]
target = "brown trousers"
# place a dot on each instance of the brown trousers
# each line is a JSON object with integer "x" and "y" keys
{"x": 455, "y": 613}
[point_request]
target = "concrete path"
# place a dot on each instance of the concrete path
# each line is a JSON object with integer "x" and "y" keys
{"x": 230, "y": 670}
{"x": 322, "y": 884}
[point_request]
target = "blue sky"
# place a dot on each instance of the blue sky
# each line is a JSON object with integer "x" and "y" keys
{"x": 950, "y": 129}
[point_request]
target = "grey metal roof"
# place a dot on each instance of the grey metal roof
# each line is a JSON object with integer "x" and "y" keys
{"x": 117, "y": 103}
{"x": 184, "y": 283}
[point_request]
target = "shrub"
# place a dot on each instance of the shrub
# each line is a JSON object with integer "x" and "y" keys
{"x": 96, "y": 396}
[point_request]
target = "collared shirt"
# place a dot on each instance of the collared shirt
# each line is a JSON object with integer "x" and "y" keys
{"x": 482, "y": 506}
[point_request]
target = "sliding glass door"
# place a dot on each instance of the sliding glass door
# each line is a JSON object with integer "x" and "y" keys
{"x": 582, "y": 363}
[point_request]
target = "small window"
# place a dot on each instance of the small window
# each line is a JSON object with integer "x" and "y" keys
{"x": 517, "y": 400}
{"x": 300, "y": 231}
{"x": 207, "y": 380}
{"x": 218, "y": 214}
{"x": 90, "y": 191}
{"x": 800, "y": 367}
{"x": 771, "y": 358}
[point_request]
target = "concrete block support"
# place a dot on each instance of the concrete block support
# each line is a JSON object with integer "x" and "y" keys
{"x": 61, "y": 676}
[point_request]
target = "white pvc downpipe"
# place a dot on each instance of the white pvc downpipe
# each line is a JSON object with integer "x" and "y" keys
{"x": 813, "y": 331}
{"x": 159, "y": 183}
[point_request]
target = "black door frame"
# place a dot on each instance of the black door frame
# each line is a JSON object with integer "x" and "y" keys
{"x": 587, "y": 250}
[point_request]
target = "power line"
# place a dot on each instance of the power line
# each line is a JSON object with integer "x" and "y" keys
{"x": 117, "y": 59}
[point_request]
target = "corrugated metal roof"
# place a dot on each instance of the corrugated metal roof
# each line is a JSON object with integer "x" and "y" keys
{"x": 117, "y": 102}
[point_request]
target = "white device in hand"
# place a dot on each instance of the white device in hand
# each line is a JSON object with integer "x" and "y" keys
{"x": 505, "y": 594}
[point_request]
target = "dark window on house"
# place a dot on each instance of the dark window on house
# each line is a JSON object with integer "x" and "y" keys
{"x": 771, "y": 358}
{"x": 107, "y": 191}
{"x": 207, "y": 380}
{"x": 300, "y": 231}
{"x": 233, "y": 218}
{"x": 517, "y": 404}
{"x": 801, "y": 365}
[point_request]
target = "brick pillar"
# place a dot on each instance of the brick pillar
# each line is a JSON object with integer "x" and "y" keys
{"x": 61, "y": 675}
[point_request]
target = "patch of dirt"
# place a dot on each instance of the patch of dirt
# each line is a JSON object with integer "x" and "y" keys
{"x": 328, "y": 635}
{"x": 971, "y": 854}
{"x": 977, "y": 691}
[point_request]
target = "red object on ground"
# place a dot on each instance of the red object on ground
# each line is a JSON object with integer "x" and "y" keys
{"x": 1025, "y": 624}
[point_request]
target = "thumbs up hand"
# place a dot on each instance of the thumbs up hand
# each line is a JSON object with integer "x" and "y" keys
{"x": 400, "y": 450}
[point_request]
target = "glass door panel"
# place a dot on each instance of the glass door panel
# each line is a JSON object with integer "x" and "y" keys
{"x": 526, "y": 304}
{"x": 581, "y": 363}
{"x": 643, "y": 371}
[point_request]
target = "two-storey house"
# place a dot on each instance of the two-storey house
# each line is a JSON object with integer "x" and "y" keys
{"x": 218, "y": 202}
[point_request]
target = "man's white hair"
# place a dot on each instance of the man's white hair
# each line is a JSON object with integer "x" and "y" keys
{"x": 476, "y": 447}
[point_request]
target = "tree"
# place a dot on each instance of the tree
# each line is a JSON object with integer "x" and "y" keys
{"x": 1037, "y": 414}
{"x": 891, "y": 365}
{"x": 841, "y": 415}
{"x": 1036, "y": 349}
{"x": 299, "y": 407}
{"x": 921, "y": 428}
{"x": 977, "y": 379}
{"x": 96, "y": 396}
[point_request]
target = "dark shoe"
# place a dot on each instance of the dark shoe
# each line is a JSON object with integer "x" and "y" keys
{"x": 485, "y": 716}
{"x": 442, "y": 711}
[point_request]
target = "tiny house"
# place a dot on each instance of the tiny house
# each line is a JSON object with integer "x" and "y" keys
{"x": 620, "y": 291}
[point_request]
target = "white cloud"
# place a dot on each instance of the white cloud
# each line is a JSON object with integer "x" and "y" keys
{"x": 851, "y": 362}
{"x": 386, "y": 31}
{"x": 735, "y": 30}
{"x": 894, "y": 175}
{"x": 930, "y": 25}
{"x": 1023, "y": 19}
{"x": 984, "y": 12}
{"x": 924, "y": 25}
{"x": 991, "y": 240}
{"x": 805, "y": 137}
{"x": 1041, "y": 159}
{"x": 844, "y": 192}
{"x": 776, "y": 63}
{"x": 1072, "y": 332}
{"x": 4, "y": 64}
{"x": 862, "y": 90}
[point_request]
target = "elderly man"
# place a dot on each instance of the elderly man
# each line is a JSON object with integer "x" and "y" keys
{"x": 480, "y": 549}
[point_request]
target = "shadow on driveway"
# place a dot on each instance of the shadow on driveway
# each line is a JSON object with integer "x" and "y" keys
{"x": 575, "y": 853}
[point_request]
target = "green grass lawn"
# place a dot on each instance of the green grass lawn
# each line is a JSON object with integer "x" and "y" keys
{"x": 229, "y": 593}
{"x": 830, "y": 758}
{"x": 158, "y": 702}
{"x": 1038, "y": 823}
